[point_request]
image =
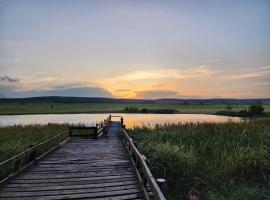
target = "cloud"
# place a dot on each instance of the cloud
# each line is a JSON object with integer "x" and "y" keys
{"x": 245, "y": 74}
{"x": 49, "y": 79}
{"x": 11, "y": 43}
{"x": 47, "y": 86}
{"x": 8, "y": 79}
{"x": 73, "y": 92}
{"x": 211, "y": 61}
{"x": 156, "y": 94}
{"x": 123, "y": 90}
{"x": 154, "y": 80}
{"x": 9, "y": 60}
{"x": 195, "y": 72}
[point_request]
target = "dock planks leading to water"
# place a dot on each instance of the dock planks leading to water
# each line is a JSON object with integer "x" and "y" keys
{"x": 83, "y": 168}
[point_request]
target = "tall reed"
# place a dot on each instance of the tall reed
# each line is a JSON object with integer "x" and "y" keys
{"x": 229, "y": 161}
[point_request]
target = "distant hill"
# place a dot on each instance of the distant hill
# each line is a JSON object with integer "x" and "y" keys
{"x": 57, "y": 99}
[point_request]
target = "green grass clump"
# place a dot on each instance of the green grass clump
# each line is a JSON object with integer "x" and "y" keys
{"x": 229, "y": 160}
{"x": 15, "y": 139}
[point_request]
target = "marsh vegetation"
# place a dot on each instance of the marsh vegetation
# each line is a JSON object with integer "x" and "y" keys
{"x": 228, "y": 160}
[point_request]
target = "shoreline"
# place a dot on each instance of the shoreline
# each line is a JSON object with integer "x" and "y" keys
{"x": 266, "y": 115}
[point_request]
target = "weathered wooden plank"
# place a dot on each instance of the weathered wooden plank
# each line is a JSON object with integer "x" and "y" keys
{"x": 31, "y": 176}
{"x": 84, "y": 195}
{"x": 80, "y": 170}
{"x": 68, "y": 192}
{"x": 66, "y": 187}
{"x": 122, "y": 197}
{"x": 104, "y": 169}
{"x": 75, "y": 176}
{"x": 36, "y": 181}
{"x": 41, "y": 185}
{"x": 77, "y": 169}
{"x": 97, "y": 163}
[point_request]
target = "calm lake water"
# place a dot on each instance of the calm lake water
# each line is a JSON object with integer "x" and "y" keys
{"x": 130, "y": 120}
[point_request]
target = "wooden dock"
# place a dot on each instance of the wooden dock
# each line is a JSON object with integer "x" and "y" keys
{"x": 86, "y": 168}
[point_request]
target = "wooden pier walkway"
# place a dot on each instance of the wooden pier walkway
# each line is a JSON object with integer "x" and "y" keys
{"x": 84, "y": 168}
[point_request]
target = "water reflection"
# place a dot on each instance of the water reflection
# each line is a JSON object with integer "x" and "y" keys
{"x": 152, "y": 119}
{"x": 130, "y": 120}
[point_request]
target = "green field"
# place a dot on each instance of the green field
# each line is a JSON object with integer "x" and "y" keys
{"x": 46, "y": 108}
{"x": 229, "y": 161}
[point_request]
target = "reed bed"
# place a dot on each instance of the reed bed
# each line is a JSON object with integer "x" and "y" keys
{"x": 227, "y": 160}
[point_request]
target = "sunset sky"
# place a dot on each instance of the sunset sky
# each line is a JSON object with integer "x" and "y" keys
{"x": 135, "y": 49}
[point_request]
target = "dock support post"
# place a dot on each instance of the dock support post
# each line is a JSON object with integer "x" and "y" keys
{"x": 162, "y": 183}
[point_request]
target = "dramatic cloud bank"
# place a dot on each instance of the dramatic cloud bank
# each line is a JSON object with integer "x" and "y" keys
{"x": 13, "y": 88}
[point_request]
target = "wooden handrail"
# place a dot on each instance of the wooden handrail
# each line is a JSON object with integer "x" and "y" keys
{"x": 30, "y": 150}
{"x": 102, "y": 127}
{"x": 30, "y": 154}
{"x": 118, "y": 116}
{"x": 144, "y": 172}
{"x": 84, "y": 131}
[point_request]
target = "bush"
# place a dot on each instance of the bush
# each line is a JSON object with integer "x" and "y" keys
{"x": 256, "y": 109}
{"x": 253, "y": 110}
{"x": 131, "y": 109}
{"x": 144, "y": 110}
{"x": 229, "y": 107}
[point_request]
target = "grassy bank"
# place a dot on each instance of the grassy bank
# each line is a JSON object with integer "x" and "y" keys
{"x": 229, "y": 161}
{"x": 49, "y": 108}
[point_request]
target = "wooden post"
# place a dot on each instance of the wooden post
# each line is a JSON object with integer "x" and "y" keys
{"x": 96, "y": 133}
{"x": 32, "y": 155}
{"x": 146, "y": 160}
{"x": 17, "y": 165}
{"x": 70, "y": 132}
{"x": 162, "y": 183}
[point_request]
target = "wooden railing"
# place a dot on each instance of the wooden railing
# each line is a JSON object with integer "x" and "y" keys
{"x": 23, "y": 160}
{"x": 117, "y": 116}
{"x": 143, "y": 172}
{"x": 102, "y": 127}
{"x": 83, "y": 131}
{"x": 90, "y": 131}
